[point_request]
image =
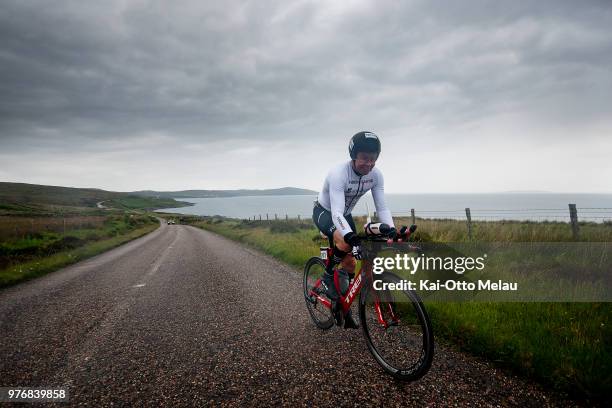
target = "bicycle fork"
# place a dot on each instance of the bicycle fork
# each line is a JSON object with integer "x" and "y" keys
{"x": 393, "y": 320}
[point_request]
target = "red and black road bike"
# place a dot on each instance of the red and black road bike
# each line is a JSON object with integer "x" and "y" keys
{"x": 395, "y": 323}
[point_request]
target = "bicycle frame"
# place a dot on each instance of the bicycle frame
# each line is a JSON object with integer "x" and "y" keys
{"x": 353, "y": 290}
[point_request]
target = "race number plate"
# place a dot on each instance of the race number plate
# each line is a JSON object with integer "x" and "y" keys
{"x": 324, "y": 253}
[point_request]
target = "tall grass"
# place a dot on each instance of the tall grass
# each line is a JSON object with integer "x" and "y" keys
{"x": 12, "y": 227}
{"x": 32, "y": 255}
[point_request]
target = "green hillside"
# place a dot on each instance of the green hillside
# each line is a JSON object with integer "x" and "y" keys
{"x": 26, "y": 198}
{"x": 225, "y": 193}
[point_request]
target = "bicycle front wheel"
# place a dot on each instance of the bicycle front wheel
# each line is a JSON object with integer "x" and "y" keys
{"x": 397, "y": 329}
{"x": 313, "y": 273}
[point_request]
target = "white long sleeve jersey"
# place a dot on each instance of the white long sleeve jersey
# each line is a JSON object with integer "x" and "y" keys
{"x": 342, "y": 189}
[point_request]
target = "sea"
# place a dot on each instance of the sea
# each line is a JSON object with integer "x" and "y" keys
{"x": 491, "y": 206}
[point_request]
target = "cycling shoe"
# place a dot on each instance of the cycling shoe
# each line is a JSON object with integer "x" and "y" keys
{"x": 349, "y": 322}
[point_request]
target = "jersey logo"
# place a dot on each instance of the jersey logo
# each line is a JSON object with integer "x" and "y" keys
{"x": 340, "y": 222}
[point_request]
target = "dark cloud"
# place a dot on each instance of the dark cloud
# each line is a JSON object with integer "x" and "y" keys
{"x": 82, "y": 75}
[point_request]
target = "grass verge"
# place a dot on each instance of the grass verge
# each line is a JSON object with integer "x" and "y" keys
{"x": 37, "y": 255}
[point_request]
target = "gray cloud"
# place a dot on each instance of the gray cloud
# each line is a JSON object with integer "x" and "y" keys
{"x": 108, "y": 76}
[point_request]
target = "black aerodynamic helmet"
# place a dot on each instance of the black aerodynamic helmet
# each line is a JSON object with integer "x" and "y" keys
{"x": 364, "y": 142}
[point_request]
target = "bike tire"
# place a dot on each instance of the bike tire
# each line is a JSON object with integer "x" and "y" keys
{"x": 404, "y": 350}
{"x": 321, "y": 316}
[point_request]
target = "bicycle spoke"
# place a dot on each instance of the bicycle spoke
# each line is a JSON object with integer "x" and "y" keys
{"x": 320, "y": 314}
{"x": 403, "y": 344}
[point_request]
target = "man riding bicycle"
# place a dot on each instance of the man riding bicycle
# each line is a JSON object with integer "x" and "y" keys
{"x": 344, "y": 186}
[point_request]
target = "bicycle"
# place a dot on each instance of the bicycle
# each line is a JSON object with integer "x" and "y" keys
{"x": 395, "y": 324}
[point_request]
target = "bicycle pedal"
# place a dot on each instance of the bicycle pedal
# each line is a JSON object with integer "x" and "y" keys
{"x": 336, "y": 310}
{"x": 392, "y": 323}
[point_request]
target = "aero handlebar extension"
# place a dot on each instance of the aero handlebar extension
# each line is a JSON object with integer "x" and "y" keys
{"x": 380, "y": 232}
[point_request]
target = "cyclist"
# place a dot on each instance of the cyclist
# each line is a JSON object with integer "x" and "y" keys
{"x": 344, "y": 186}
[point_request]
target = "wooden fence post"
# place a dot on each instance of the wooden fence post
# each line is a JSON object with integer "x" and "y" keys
{"x": 286, "y": 217}
{"x": 413, "y": 217}
{"x": 267, "y": 217}
{"x": 275, "y": 217}
{"x": 259, "y": 217}
{"x": 574, "y": 220}
{"x": 299, "y": 220}
{"x": 468, "y": 214}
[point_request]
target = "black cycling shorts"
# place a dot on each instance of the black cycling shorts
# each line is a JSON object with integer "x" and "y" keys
{"x": 323, "y": 220}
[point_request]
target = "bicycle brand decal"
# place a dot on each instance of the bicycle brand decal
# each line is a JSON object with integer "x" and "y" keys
{"x": 356, "y": 285}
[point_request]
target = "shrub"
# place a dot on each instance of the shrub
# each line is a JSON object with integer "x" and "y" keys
{"x": 68, "y": 242}
{"x": 283, "y": 227}
{"x": 92, "y": 236}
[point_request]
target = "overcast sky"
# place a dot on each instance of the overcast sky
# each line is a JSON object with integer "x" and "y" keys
{"x": 480, "y": 96}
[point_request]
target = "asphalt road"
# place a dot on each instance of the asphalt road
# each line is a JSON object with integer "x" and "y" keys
{"x": 185, "y": 317}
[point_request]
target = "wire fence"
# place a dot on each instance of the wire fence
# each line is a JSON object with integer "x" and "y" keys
{"x": 21, "y": 227}
{"x": 534, "y": 214}
{"x": 571, "y": 215}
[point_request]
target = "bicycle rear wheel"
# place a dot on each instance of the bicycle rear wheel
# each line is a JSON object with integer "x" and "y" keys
{"x": 320, "y": 314}
{"x": 397, "y": 329}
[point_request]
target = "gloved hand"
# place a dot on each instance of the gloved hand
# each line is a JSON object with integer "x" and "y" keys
{"x": 406, "y": 232}
{"x": 352, "y": 239}
{"x": 357, "y": 253}
{"x": 392, "y": 234}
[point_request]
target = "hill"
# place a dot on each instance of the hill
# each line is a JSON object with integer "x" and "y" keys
{"x": 25, "y": 198}
{"x": 224, "y": 193}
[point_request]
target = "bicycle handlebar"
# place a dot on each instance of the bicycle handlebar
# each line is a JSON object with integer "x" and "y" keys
{"x": 380, "y": 233}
